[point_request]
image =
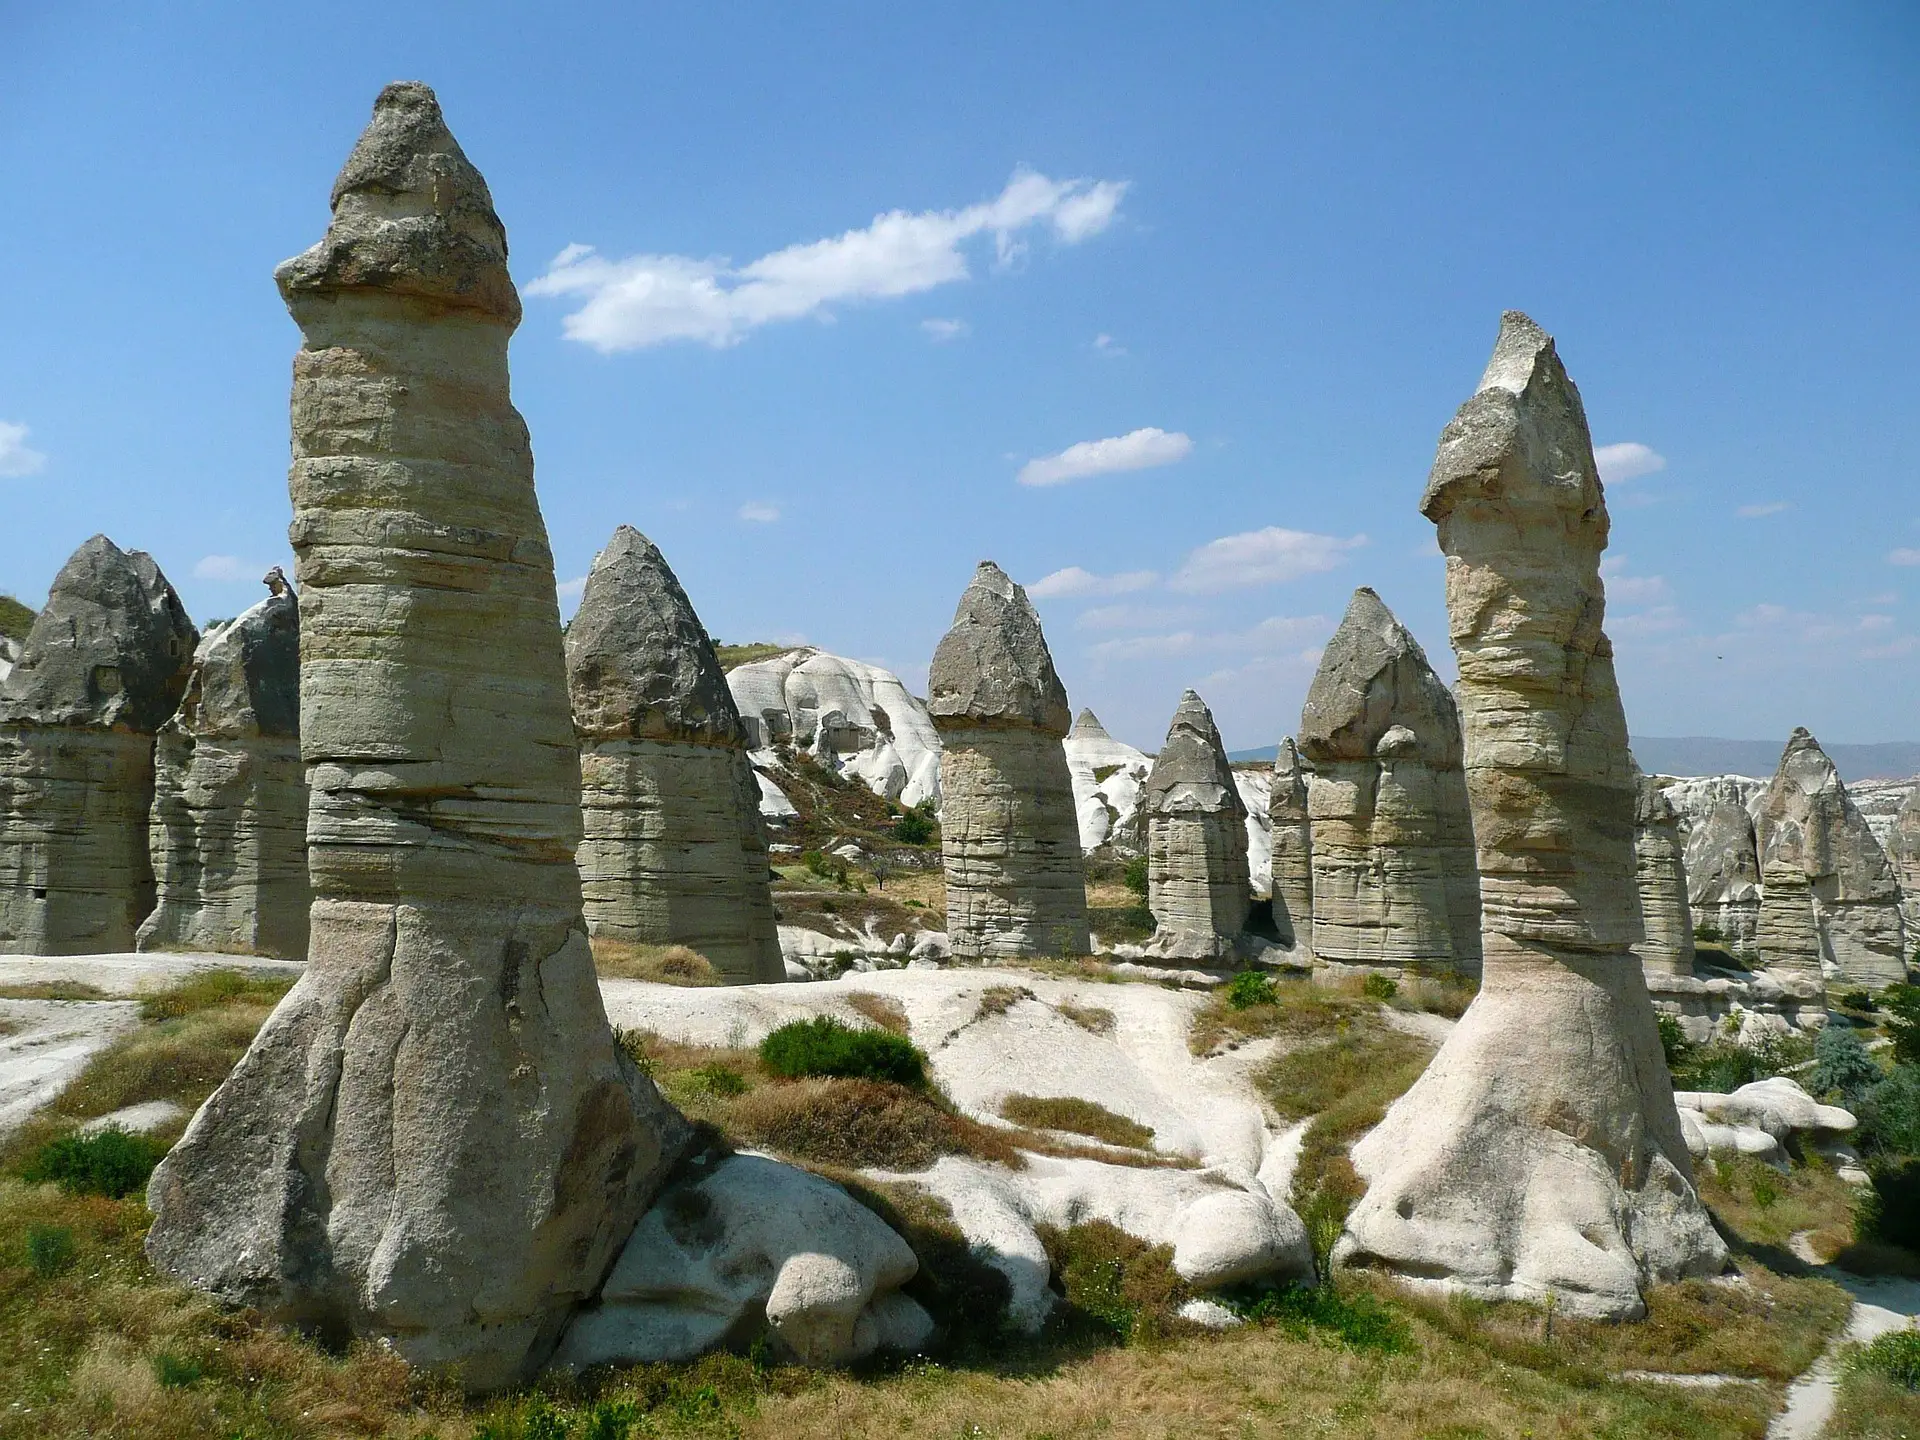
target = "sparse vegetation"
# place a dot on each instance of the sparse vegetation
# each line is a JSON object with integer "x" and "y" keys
{"x": 917, "y": 826}
{"x": 1094, "y": 1019}
{"x": 52, "y": 990}
{"x": 15, "y": 619}
{"x": 1081, "y": 1117}
{"x": 862, "y": 1123}
{"x": 733, "y": 656}
{"x": 826, "y": 1047}
{"x": 999, "y": 999}
{"x": 882, "y": 1010}
{"x": 108, "y": 1162}
{"x": 662, "y": 964}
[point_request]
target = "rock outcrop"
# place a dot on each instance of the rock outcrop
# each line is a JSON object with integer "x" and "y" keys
{"x": 1109, "y": 779}
{"x": 1829, "y": 896}
{"x": 852, "y": 717}
{"x": 434, "y": 1142}
{"x": 229, "y": 826}
{"x": 674, "y": 850}
{"x": 1392, "y": 840}
{"x": 1541, "y": 1153}
{"x": 1292, "y": 863}
{"x": 1903, "y": 845}
{"x": 1723, "y": 865}
{"x": 1009, "y": 836}
{"x": 99, "y": 673}
{"x": 1660, "y": 864}
{"x": 1197, "y": 882}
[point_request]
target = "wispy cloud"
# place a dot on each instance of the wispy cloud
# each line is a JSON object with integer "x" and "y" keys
{"x": 1136, "y": 450}
{"x": 1628, "y": 460}
{"x": 1903, "y": 557}
{"x": 759, "y": 512}
{"x": 1073, "y": 581}
{"x": 1632, "y": 589}
{"x": 16, "y": 458}
{"x": 941, "y": 331}
{"x": 1135, "y": 617}
{"x": 1764, "y": 508}
{"x": 227, "y": 567}
{"x": 1260, "y": 557}
{"x": 1271, "y": 636}
{"x": 646, "y": 300}
{"x": 572, "y": 589}
{"x": 1105, "y": 344}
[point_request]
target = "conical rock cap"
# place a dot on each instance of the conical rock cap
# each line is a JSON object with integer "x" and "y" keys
{"x": 993, "y": 666}
{"x": 1374, "y": 678}
{"x": 1192, "y": 773}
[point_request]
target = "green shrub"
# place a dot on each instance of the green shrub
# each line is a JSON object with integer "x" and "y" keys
{"x": 1861, "y": 1000}
{"x": 49, "y": 1249}
{"x": 1902, "y": 1004}
{"x": 1841, "y": 1063}
{"x": 1357, "y": 1319}
{"x": 109, "y": 1162}
{"x": 824, "y": 867}
{"x": 824, "y": 1046}
{"x": 1709, "y": 932}
{"x": 1120, "y": 1284}
{"x": 1890, "y": 1213}
{"x": 1380, "y": 987}
{"x": 1895, "y": 1355}
{"x": 1673, "y": 1042}
{"x": 1250, "y": 988}
{"x": 718, "y": 1079}
{"x": 1890, "y": 1113}
{"x": 914, "y": 828}
{"x": 1135, "y": 876}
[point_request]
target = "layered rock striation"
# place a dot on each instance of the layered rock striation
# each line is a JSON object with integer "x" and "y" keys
{"x": 1291, "y": 827}
{"x": 1392, "y": 840}
{"x": 229, "y": 823}
{"x": 1660, "y": 865}
{"x": 99, "y": 673}
{"x": 1197, "y": 881}
{"x": 674, "y": 851}
{"x": 1010, "y": 840}
{"x": 1541, "y": 1153}
{"x": 1723, "y": 868}
{"x": 434, "y": 1142}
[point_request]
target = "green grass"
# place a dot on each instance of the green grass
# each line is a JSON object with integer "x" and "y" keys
{"x": 733, "y": 656}
{"x": 824, "y": 1046}
{"x": 15, "y": 619}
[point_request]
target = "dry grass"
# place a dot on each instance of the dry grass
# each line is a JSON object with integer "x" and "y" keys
{"x": 928, "y": 887}
{"x": 1872, "y": 1407}
{"x": 53, "y": 990}
{"x": 1767, "y": 1208}
{"x": 1447, "y": 995}
{"x": 1094, "y": 1019}
{"x": 662, "y": 964}
{"x": 882, "y": 1010}
{"x": 859, "y": 1124}
{"x": 999, "y": 999}
{"x": 1304, "y": 1007}
{"x": 1080, "y": 1117}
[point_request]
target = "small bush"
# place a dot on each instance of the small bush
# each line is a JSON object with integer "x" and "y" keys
{"x": 858, "y": 1124}
{"x": 824, "y": 1046}
{"x": 1707, "y": 932}
{"x": 49, "y": 1249}
{"x": 824, "y": 867}
{"x": 1081, "y": 1117}
{"x": 1120, "y": 1284}
{"x": 1250, "y": 988}
{"x": 1890, "y": 1113}
{"x": 1902, "y": 1006}
{"x": 1134, "y": 877}
{"x": 718, "y": 1079}
{"x": 1358, "y": 1320}
{"x": 1380, "y": 987}
{"x": 1860, "y": 1000}
{"x": 1841, "y": 1063}
{"x": 1673, "y": 1042}
{"x": 916, "y": 827}
{"x": 1895, "y": 1355}
{"x": 109, "y": 1162}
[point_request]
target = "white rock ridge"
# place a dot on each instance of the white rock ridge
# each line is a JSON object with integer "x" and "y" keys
{"x": 1108, "y": 778}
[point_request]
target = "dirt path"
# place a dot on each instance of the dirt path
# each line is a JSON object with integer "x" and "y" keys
{"x": 1880, "y": 1304}
{"x": 47, "y": 1044}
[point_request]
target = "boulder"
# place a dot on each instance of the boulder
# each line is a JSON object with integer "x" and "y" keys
{"x": 1197, "y": 881}
{"x": 434, "y": 1143}
{"x": 1291, "y": 827}
{"x": 1540, "y": 1154}
{"x": 1392, "y": 841}
{"x": 1830, "y": 902}
{"x": 674, "y": 850}
{"x": 1010, "y": 839}
{"x": 743, "y": 1247}
{"x": 1660, "y": 865}
{"x": 1109, "y": 779}
{"x": 1768, "y": 1120}
{"x": 99, "y": 673}
{"x": 229, "y": 824}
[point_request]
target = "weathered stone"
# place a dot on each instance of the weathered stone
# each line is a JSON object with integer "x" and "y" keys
{"x": 1016, "y": 885}
{"x": 1661, "y": 868}
{"x": 1109, "y": 779}
{"x": 1197, "y": 884}
{"x": 100, "y": 671}
{"x": 1393, "y": 867}
{"x": 1829, "y": 895}
{"x": 434, "y": 1142}
{"x": 1723, "y": 867}
{"x": 229, "y": 826}
{"x": 1904, "y": 851}
{"x": 1541, "y": 1153}
{"x": 1292, "y": 863}
{"x": 674, "y": 850}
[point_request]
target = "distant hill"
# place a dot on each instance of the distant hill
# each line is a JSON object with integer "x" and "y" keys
{"x": 1710, "y": 755}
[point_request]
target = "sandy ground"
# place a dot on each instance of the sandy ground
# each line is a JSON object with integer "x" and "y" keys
{"x": 50, "y": 1042}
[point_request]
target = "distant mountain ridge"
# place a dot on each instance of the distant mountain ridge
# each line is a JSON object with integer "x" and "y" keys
{"x": 1711, "y": 755}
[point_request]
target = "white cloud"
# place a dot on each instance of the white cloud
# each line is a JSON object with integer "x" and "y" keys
{"x": 572, "y": 589}
{"x": 1628, "y": 460}
{"x": 1105, "y": 344}
{"x": 1260, "y": 557}
{"x": 1136, "y": 450}
{"x": 941, "y": 331}
{"x": 16, "y": 459}
{"x": 1272, "y": 636}
{"x": 1075, "y": 581}
{"x": 1631, "y": 589}
{"x": 1903, "y": 557}
{"x": 759, "y": 512}
{"x": 227, "y": 567}
{"x": 651, "y": 299}
{"x": 1765, "y": 507}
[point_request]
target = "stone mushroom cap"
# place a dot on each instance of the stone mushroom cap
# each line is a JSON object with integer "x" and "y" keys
{"x": 1192, "y": 774}
{"x": 111, "y": 648}
{"x": 1652, "y": 805}
{"x": 993, "y": 666}
{"x": 246, "y": 675}
{"x": 411, "y": 216}
{"x": 640, "y": 665}
{"x": 1522, "y": 437}
{"x": 1374, "y": 681}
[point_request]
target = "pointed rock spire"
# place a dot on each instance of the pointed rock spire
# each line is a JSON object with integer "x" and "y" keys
{"x": 993, "y": 667}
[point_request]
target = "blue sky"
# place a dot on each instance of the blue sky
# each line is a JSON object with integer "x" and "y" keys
{"x": 1167, "y": 303}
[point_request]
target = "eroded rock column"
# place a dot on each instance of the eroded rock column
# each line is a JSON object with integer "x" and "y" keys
{"x": 674, "y": 850}
{"x": 1197, "y": 882}
{"x": 100, "y": 671}
{"x": 229, "y": 824}
{"x": 1393, "y": 869}
{"x": 1540, "y": 1154}
{"x": 434, "y": 1142}
{"x": 1723, "y": 874}
{"x": 1659, "y": 863}
{"x": 1016, "y": 884}
{"x": 1292, "y": 864}
{"x": 1904, "y": 852}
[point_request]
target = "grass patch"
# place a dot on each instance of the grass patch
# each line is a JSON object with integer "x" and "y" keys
{"x": 662, "y": 964}
{"x": 15, "y": 619}
{"x": 1870, "y": 1406}
{"x": 1094, "y": 1019}
{"x": 1895, "y": 1355}
{"x": 1112, "y": 1282}
{"x": 1298, "y": 1007}
{"x": 1351, "y": 1314}
{"x": 732, "y": 656}
{"x": 1766, "y": 1208}
{"x": 883, "y": 1010}
{"x": 999, "y": 999}
{"x": 824, "y": 1046}
{"x": 861, "y": 1123}
{"x": 109, "y": 1162}
{"x": 53, "y": 990}
{"x": 1081, "y": 1117}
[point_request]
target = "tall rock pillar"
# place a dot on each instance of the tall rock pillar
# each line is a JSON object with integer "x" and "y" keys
{"x": 1723, "y": 872}
{"x": 1292, "y": 864}
{"x": 1016, "y": 883}
{"x": 1540, "y": 1154}
{"x": 434, "y": 1142}
{"x": 1903, "y": 849}
{"x": 1393, "y": 868}
{"x": 1660, "y": 864}
{"x": 101, "y": 670}
{"x": 674, "y": 850}
{"x": 1197, "y": 882}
